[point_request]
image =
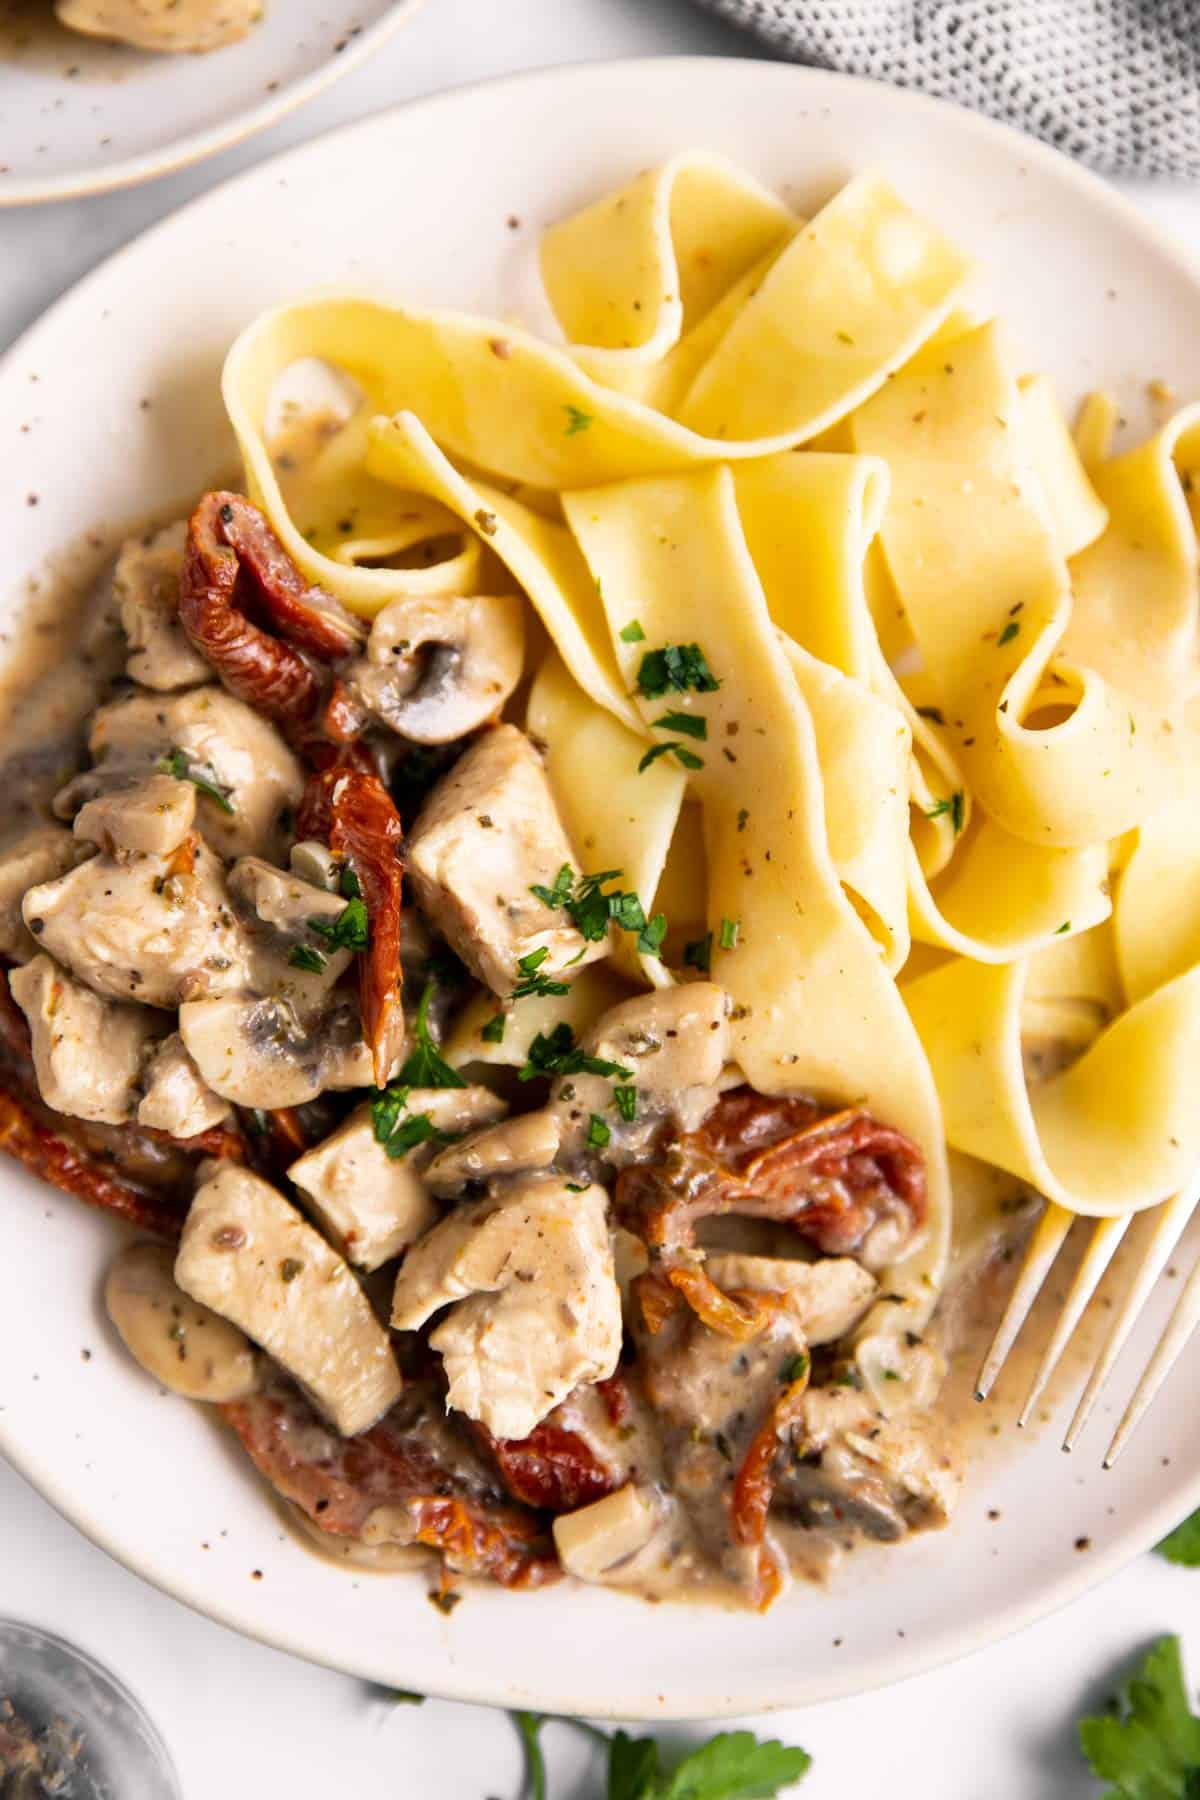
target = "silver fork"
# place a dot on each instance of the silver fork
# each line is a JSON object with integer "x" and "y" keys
{"x": 1170, "y": 1220}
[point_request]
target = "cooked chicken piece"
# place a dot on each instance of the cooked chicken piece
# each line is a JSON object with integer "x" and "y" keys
{"x": 248, "y": 1254}
{"x": 183, "y": 1345}
{"x": 87, "y": 1052}
{"x": 176, "y": 1097}
{"x": 883, "y": 1476}
{"x": 488, "y": 831}
{"x": 171, "y": 25}
{"x": 372, "y": 1205}
{"x": 276, "y": 909}
{"x": 827, "y": 1298}
{"x": 538, "y": 1308}
{"x": 144, "y": 928}
{"x": 675, "y": 1042}
{"x": 260, "y": 1052}
{"x": 514, "y": 1147}
{"x": 593, "y": 1539}
{"x": 152, "y": 816}
{"x": 37, "y": 855}
{"x": 224, "y": 743}
{"x": 146, "y": 588}
{"x": 436, "y": 670}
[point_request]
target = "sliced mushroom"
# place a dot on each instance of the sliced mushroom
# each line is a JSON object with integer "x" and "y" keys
{"x": 437, "y": 669}
{"x": 291, "y": 958}
{"x": 516, "y": 1146}
{"x": 37, "y": 856}
{"x": 224, "y": 741}
{"x": 146, "y": 589}
{"x": 373, "y": 1205}
{"x": 883, "y": 1476}
{"x": 488, "y": 832}
{"x": 152, "y": 816}
{"x": 248, "y": 1254}
{"x": 176, "y": 1097}
{"x": 185, "y": 1346}
{"x": 146, "y": 928}
{"x": 827, "y": 1298}
{"x": 538, "y": 1309}
{"x": 261, "y": 1052}
{"x": 87, "y": 1052}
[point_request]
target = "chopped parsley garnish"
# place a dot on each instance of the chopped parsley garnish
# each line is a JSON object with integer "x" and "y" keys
{"x": 1063, "y": 928}
{"x": 303, "y": 956}
{"x": 426, "y": 1067}
{"x": 697, "y": 953}
{"x": 632, "y": 633}
{"x": 650, "y": 938}
{"x": 598, "y": 1132}
{"x": 350, "y": 930}
{"x": 577, "y": 420}
{"x": 728, "y": 937}
{"x": 560, "y": 893}
{"x": 591, "y": 910}
{"x": 952, "y": 805}
{"x": 532, "y": 981}
{"x": 691, "y": 724}
{"x": 625, "y": 1101}
{"x": 733, "y": 1765}
{"x": 675, "y": 668}
{"x": 687, "y": 757}
{"x": 349, "y": 885}
{"x": 418, "y": 1128}
{"x": 1009, "y": 633}
{"x": 794, "y": 1369}
{"x": 493, "y": 1031}
{"x": 557, "y": 1053}
{"x": 202, "y": 775}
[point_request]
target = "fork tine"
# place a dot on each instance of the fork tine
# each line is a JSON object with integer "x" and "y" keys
{"x": 1183, "y": 1321}
{"x": 1101, "y": 1246}
{"x": 1044, "y": 1246}
{"x": 1173, "y": 1215}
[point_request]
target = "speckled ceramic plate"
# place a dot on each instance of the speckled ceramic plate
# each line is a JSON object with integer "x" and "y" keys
{"x": 78, "y": 115}
{"x": 109, "y": 407}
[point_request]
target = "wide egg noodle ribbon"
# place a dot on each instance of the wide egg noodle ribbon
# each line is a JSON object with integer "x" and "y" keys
{"x": 1077, "y": 513}
{"x": 671, "y": 554}
{"x": 985, "y": 587}
{"x": 1156, "y": 918}
{"x": 1116, "y": 1132}
{"x": 809, "y": 521}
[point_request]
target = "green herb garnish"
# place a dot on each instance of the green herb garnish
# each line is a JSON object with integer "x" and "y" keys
{"x": 625, "y": 1101}
{"x": 303, "y": 956}
{"x": 733, "y": 1765}
{"x": 1009, "y": 633}
{"x": 953, "y": 805}
{"x": 577, "y": 420}
{"x": 349, "y": 931}
{"x": 598, "y": 1132}
{"x": 680, "y": 752}
{"x": 691, "y": 724}
{"x": 728, "y": 936}
{"x": 794, "y": 1369}
{"x": 676, "y": 667}
{"x": 1148, "y": 1745}
{"x": 697, "y": 953}
{"x": 632, "y": 633}
{"x": 426, "y": 1067}
{"x": 532, "y": 981}
{"x": 557, "y": 1053}
{"x": 493, "y": 1031}
{"x": 650, "y": 938}
{"x": 1183, "y": 1545}
{"x": 202, "y": 775}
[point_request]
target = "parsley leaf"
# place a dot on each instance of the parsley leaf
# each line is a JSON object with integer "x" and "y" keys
{"x": 633, "y": 1768}
{"x": 675, "y": 668}
{"x": 697, "y": 953}
{"x": 529, "y": 1724}
{"x": 532, "y": 981}
{"x": 953, "y": 805}
{"x": 681, "y": 753}
{"x": 632, "y": 633}
{"x": 560, "y": 893}
{"x": 493, "y": 1031}
{"x": 303, "y": 956}
{"x": 625, "y": 1101}
{"x": 349, "y": 931}
{"x": 559, "y": 1054}
{"x": 1183, "y": 1545}
{"x": 1008, "y": 634}
{"x": 598, "y": 1132}
{"x": 418, "y": 1128}
{"x": 650, "y": 938}
{"x": 734, "y": 1765}
{"x": 691, "y": 724}
{"x": 202, "y": 775}
{"x": 426, "y": 1067}
{"x": 730, "y": 928}
{"x": 589, "y": 908}
{"x": 1149, "y": 1745}
{"x": 577, "y": 420}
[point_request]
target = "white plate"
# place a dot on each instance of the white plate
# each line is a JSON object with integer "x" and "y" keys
{"x": 78, "y": 116}
{"x": 441, "y": 203}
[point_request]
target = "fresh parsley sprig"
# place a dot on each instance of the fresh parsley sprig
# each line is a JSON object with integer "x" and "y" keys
{"x": 557, "y": 1053}
{"x": 1148, "y": 1745}
{"x": 1183, "y": 1544}
{"x": 426, "y": 1067}
{"x": 675, "y": 668}
{"x": 202, "y": 775}
{"x": 592, "y": 910}
{"x": 733, "y": 1765}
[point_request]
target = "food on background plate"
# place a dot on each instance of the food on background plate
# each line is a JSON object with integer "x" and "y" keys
{"x": 557, "y": 900}
{"x": 173, "y": 25}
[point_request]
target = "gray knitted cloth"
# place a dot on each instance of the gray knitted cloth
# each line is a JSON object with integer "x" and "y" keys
{"x": 1114, "y": 82}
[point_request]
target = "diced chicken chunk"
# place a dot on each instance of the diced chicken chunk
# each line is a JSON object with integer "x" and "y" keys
{"x": 87, "y": 1052}
{"x": 146, "y": 928}
{"x": 259, "y": 1052}
{"x": 827, "y": 1298}
{"x": 185, "y": 1346}
{"x": 372, "y": 1205}
{"x": 152, "y": 817}
{"x": 38, "y": 855}
{"x": 146, "y": 589}
{"x": 226, "y": 741}
{"x": 538, "y": 1309}
{"x": 514, "y": 1147}
{"x": 176, "y": 1097}
{"x": 488, "y": 831}
{"x": 593, "y": 1539}
{"x": 249, "y": 1255}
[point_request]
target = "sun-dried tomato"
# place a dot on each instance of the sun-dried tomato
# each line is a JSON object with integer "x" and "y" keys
{"x": 27, "y": 1135}
{"x": 618, "y": 1402}
{"x": 755, "y": 1482}
{"x": 339, "y": 1483}
{"x": 353, "y": 813}
{"x": 553, "y": 1469}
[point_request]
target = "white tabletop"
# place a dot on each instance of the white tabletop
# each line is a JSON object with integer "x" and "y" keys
{"x": 242, "y": 1720}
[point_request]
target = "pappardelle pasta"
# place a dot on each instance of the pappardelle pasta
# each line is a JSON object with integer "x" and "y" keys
{"x": 581, "y": 863}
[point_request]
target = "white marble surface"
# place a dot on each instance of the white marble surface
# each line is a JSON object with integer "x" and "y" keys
{"x": 247, "y": 1721}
